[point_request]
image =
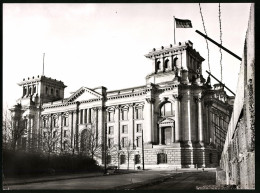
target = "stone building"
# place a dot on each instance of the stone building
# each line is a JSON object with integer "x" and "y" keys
{"x": 184, "y": 119}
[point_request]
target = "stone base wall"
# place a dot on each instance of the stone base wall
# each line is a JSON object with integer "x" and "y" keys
{"x": 175, "y": 157}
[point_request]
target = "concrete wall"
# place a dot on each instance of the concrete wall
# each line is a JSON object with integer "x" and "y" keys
{"x": 238, "y": 156}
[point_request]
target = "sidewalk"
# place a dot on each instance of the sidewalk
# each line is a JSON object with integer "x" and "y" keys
{"x": 26, "y": 180}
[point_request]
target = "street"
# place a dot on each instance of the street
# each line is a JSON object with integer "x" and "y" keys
{"x": 141, "y": 180}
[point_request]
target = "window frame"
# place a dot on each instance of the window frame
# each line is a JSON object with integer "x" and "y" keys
{"x": 124, "y": 129}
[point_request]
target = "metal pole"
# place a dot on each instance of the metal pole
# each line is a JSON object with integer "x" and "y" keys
{"x": 143, "y": 147}
{"x": 228, "y": 51}
{"x": 174, "y": 28}
{"x": 221, "y": 83}
{"x": 105, "y": 150}
{"x": 43, "y": 64}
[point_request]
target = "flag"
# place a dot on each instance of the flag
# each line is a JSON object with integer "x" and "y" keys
{"x": 183, "y": 23}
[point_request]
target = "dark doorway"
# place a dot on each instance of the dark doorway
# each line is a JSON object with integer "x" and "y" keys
{"x": 161, "y": 158}
{"x": 166, "y": 135}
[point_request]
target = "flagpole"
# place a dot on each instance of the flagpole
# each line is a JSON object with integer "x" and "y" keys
{"x": 174, "y": 29}
{"x": 43, "y": 64}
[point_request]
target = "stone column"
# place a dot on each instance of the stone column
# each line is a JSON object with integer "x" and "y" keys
{"x": 117, "y": 125}
{"x": 131, "y": 124}
{"x": 83, "y": 116}
{"x": 89, "y": 115}
{"x": 189, "y": 116}
{"x": 71, "y": 128}
{"x": 100, "y": 123}
{"x": 61, "y": 131}
{"x": 96, "y": 121}
{"x": 177, "y": 117}
{"x": 149, "y": 131}
{"x": 160, "y": 135}
{"x": 200, "y": 121}
{"x": 173, "y": 139}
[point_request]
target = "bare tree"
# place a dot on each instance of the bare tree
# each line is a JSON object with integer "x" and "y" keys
{"x": 7, "y": 129}
{"x": 92, "y": 143}
{"x": 18, "y": 125}
{"x": 128, "y": 150}
{"x": 51, "y": 139}
{"x": 91, "y": 140}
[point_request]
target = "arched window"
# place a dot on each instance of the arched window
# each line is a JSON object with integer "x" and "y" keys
{"x": 166, "y": 63}
{"x": 108, "y": 159}
{"x": 122, "y": 159}
{"x": 158, "y": 65}
{"x": 34, "y": 89}
{"x": 166, "y": 109}
{"x": 83, "y": 142}
{"x": 137, "y": 159}
{"x": 174, "y": 64}
{"x": 210, "y": 158}
{"x": 24, "y": 91}
{"x": 30, "y": 90}
{"x": 57, "y": 93}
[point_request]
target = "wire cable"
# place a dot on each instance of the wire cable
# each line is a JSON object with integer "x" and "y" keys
{"x": 203, "y": 23}
{"x": 220, "y": 50}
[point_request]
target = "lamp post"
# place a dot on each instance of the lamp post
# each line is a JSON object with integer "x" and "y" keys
{"x": 105, "y": 170}
{"x": 143, "y": 146}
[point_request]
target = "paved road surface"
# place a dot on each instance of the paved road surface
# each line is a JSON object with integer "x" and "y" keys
{"x": 113, "y": 181}
{"x": 184, "y": 181}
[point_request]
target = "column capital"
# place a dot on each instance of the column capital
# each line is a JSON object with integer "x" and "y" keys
{"x": 117, "y": 106}
{"x": 130, "y": 104}
{"x": 150, "y": 100}
{"x": 177, "y": 97}
{"x": 70, "y": 112}
{"x": 100, "y": 108}
{"x": 197, "y": 99}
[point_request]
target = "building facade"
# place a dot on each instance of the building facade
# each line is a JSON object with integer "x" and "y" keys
{"x": 183, "y": 118}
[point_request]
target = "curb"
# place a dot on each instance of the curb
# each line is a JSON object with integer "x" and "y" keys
{"x": 5, "y": 183}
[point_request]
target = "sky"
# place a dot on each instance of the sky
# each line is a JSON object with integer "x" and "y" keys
{"x": 104, "y": 44}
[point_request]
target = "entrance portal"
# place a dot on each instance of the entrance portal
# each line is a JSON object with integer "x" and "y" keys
{"x": 166, "y": 135}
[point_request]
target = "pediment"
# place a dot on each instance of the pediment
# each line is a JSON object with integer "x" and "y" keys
{"x": 165, "y": 121}
{"x": 84, "y": 94}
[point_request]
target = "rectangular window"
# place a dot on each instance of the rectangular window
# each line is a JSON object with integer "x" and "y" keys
{"x": 53, "y": 146}
{"x": 124, "y": 129}
{"x": 139, "y": 128}
{"x": 124, "y": 141}
{"x": 45, "y": 123}
{"x": 65, "y": 121}
{"x": 139, "y": 113}
{"x": 110, "y": 142}
{"x": 64, "y": 145}
{"x": 138, "y": 141}
{"x": 124, "y": 115}
{"x": 65, "y": 134}
{"x": 110, "y": 130}
{"x": 54, "y": 134}
{"x": 55, "y": 122}
{"x": 110, "y": 116}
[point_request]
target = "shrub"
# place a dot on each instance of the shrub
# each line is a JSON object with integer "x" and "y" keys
{"x": 23, "y": 163}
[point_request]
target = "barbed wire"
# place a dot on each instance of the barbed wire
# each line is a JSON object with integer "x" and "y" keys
{"x": 220, "y": 50}
{"x": 203, "y": 23}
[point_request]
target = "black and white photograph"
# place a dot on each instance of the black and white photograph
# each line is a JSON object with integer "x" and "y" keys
{"x": 128, "y": 96}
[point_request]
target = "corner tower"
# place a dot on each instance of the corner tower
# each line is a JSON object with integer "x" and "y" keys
{"x": 169, "y": 63}
{"x": 41, "y": 89}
